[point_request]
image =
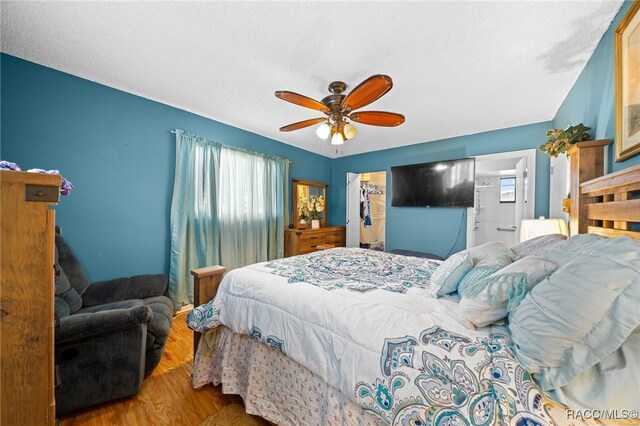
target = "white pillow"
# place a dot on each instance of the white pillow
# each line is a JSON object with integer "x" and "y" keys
{"x": 607, "y": 383}
{"x": 490, "y": 249}
{"x": 582, "y": 313}
{"x": 537, "y": 246}
{"x": 445, "y": 279}
{"x": 492, "y": 298}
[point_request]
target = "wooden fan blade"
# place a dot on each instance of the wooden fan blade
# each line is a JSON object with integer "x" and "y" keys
{"x": 301, "y": 100}
{"x": 378, "y": 118}
{"x": 301, "y": 124}
{"x": 367, "y": 91}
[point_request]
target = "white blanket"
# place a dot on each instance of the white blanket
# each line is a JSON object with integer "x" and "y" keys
{"x": 399, "y": 353}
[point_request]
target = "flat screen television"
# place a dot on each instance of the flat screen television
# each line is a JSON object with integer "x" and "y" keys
{"x": 440, "y": 184}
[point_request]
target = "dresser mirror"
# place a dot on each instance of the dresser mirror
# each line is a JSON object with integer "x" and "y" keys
{"x": 309, "y": 204}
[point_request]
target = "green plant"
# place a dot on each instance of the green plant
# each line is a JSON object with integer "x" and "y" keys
{"x": 560, "y": 140}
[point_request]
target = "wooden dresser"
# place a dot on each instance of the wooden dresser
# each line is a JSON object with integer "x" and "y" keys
{"x": 303, "y": 241}
{"x": 26, "y": 298}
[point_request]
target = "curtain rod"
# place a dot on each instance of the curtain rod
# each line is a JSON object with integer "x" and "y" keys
{"x": 233, "y": 148}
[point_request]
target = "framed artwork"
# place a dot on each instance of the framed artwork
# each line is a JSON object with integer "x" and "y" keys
{"x": 627, "y": 84}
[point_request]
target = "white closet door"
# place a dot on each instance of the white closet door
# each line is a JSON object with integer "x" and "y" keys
{"x": 353, "y": 210}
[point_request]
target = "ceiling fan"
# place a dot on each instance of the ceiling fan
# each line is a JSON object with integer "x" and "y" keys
{"x": 340, "y": 108}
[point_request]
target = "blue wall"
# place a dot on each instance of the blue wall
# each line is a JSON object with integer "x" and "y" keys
{"x": 434, "y": 230}
{"x": 591, "y": 99}
{"x": 118, "y": 151}
{"x": 116, "y": 148}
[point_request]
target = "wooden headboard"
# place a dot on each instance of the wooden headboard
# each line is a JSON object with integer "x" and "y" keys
{"x": 612, "y": 204}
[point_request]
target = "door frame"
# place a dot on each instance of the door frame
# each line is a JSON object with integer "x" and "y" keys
{"x": 558, "y": 185}
{"x": 528, "y": 211}
{"x": 351, "y": 226}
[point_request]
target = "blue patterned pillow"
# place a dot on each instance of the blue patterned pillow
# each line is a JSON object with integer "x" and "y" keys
{"x": 492, "y": 298}
{"x": 445, "y": 279}
{"x": 483, "y": 269}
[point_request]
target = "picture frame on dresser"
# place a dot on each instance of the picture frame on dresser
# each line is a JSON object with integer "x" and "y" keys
{"x": 627, "y": 84}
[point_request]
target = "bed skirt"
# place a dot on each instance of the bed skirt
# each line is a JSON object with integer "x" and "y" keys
{"x": 272, "y": 385}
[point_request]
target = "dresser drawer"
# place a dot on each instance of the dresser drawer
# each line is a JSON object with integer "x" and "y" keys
{"x": 303, "y": 241}
{"x": 334, "y": 237}
{"x": 308, "y": 248}
{"x": 312, "y": 239}
{"x": 339, "y": 243}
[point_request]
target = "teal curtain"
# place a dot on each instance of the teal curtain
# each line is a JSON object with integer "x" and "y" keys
{"x": 229, "y": 207}
{"x": 195, "y": 240}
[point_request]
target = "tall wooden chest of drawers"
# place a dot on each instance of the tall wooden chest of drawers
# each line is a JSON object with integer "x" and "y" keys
{"x": 303, "y": 241}
{"x": 26, "y": 299}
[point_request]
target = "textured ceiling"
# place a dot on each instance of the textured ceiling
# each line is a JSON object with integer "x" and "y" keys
{"x": 458, "y": 67}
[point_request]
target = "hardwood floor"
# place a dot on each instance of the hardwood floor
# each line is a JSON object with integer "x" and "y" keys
{"x": 166, "y": 397}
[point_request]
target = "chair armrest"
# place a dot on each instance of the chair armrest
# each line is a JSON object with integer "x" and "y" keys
{"x": 116, "y": 290}
{"x": 81, "y": 326}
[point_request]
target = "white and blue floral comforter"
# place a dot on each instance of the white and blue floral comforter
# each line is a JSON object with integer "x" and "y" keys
{"x": 363, "y": 321}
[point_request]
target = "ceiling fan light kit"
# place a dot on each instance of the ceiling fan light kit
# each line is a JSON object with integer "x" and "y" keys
{"x": 337, "y": 139}
{"x": 323, "y": 131}
{"x": 350, "y": 131}
{"x": 340, "y": 108}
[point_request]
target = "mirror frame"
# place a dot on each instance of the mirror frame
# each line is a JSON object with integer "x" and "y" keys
{"x": 294, "y": 214}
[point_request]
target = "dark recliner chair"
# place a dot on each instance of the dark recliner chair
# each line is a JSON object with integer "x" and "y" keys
{"x": 109, "y": 335}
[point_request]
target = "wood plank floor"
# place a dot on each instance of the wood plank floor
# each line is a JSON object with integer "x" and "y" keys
{"x": 166, "y": 397}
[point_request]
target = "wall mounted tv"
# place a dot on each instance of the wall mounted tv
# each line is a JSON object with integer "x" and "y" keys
{"x": 440, "y": 184}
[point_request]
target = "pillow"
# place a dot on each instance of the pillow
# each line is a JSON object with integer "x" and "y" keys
{"x": 607, "y": 383}
{"x": 580, "y": 315}
{"x": 490, "y": 249}
{"x": 483, "y": 269}
{"x": 537, "y": 246}
{"x": 446, "y": 277}
{"x": 577, "y": 245}
{"x": 489, "y": 300}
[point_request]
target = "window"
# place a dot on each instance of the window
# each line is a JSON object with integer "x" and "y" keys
{"x": 243, "y": 187}
{"x": 508, "y": 190}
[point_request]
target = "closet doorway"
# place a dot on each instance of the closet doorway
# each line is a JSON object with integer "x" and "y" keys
{"x": 366, "y": 210}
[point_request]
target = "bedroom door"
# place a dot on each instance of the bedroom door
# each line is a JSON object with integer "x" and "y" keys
{"x": 353, "y": 210}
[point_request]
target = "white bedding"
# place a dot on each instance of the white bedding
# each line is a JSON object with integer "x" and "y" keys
{"x": 398, "y": 353}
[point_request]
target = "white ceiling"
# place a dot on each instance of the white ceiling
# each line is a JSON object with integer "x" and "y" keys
{"x": 458, "y": 67}
{"x": 499, "y": 167}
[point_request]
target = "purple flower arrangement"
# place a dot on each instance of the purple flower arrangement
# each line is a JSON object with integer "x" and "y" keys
{"x": 65, "y": 188}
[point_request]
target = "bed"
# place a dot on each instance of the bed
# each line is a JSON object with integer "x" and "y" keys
{"x": 351, "y": 336}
